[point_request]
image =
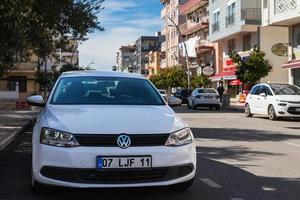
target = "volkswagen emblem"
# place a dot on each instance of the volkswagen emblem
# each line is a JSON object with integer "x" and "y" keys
{"x": 124, "y": 141}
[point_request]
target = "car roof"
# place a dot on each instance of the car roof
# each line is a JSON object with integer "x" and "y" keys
{"x": 101, "y": 73}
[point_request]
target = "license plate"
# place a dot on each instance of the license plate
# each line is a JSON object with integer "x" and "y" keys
{"x": 111, "y": 162}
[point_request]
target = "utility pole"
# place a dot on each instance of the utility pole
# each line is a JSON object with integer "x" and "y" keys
{"x": 186, "y": 52}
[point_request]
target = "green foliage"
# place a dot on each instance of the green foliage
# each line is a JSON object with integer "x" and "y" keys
{"x": 42, "y": 26}
{"x": 252, "y": 69}
{"x": 47, "y": 79}
{"x": 170, "y": 78}
{"x": 200, "y": 81}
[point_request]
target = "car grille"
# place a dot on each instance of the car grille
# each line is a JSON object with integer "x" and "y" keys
{"x": 111, "y": 140}
{"x": 292, "y": 110}
{"x": 116, "y": 176}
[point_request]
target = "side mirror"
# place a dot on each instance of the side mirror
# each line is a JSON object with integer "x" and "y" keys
{"x": 36, "y": 100}
{"x": 263, "y": 94}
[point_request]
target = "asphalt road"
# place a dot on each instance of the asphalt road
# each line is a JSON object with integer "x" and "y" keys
{"x": 238, "y": 159}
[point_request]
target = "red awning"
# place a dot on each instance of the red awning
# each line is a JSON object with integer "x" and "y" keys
{"x": 236, "y": 82}
{"x": 230, "y": 75}
{"x": 291, "y": 65}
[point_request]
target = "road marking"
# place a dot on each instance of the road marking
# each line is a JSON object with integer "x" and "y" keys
{"x": 293, "y": 144}
{"x": 210, "y": 183}
{"x": 236, "y": 199}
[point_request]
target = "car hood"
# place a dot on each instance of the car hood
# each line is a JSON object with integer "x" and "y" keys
{"x": 112, "y": 119}
{"x": 292, "y": 98}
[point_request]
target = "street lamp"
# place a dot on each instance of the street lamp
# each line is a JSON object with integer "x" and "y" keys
{"x": 186, "y": 52}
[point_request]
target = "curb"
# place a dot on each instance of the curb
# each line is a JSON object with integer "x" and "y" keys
{"x": 4, "y": 143}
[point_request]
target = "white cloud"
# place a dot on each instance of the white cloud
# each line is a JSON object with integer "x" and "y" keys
{"x": 101, "y": 48}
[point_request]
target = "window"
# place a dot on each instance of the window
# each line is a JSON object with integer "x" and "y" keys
{"x": 247, "y": 42}
{"x": 22, "y": 80}
{"x": 285, "y": 89}
{"x": 231, "y": 45}
{"x": 216, "y": 22}
{"x": 256, "y": 90}
{"x": 265, "y": 4}
{"x": 105, "y": 91}
{"x": 230, "y": 19}
{"x": 266, "y": 90}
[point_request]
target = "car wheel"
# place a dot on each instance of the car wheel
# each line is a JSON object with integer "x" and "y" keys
{"x": 193, "y": 106}
{"x": 36, "y": 187}
{"x": 188, "y": 105}
{"x": 248, "y": 111}
{"x": 272, "y": 113}
{"x": 185, "y": 185}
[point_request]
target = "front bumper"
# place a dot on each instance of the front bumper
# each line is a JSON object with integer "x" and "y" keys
{"x": 76, "y": 167}
{"x": 290, "y": 110}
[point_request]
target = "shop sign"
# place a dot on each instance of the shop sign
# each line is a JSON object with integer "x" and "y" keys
{"x": 208, "y": 71}
{"x": 280, "y": 49}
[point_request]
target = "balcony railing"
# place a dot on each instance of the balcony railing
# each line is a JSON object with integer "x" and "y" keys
{"x": 215, "y": 27}
{"x": 252, "y": 15}
{"x": 230, "y": 20}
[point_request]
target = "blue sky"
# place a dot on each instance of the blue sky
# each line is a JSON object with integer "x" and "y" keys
{"x": 124, "y": 21}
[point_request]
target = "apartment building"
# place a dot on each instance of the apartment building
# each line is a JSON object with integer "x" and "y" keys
{"x": 280, "y": 39}
{"x": 234, "y": 25}
{"x": 125, "y": 60}
{"x": 171, "y": 10}
{"x": 195, "y": 30}
{"x": 143, "y": 46}
{"x": 154, "y": 62}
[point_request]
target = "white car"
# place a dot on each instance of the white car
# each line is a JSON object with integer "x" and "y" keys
{"x": 204, "y": 97}
{"x": 163, "y": 93}
{"x": 108, "y": 130}
{"x": 273, "y": 100}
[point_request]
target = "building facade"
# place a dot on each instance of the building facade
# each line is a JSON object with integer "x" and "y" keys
{"x": 234, "y": 26}
{"x": 281, "y": 28}
{"x": 195, "y": 30}
{"x": 171, "y": 10}
{"x": 125, "y": 60}
{"x": 143, "y": 46}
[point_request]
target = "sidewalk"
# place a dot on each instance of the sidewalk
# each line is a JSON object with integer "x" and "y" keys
{"x": 11, "y": 123}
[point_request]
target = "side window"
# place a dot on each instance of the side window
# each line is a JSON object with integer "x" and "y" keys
{"x": 263, "y": 89}
{"x": 256, "y": 90}
{"x": 269, "y": 93}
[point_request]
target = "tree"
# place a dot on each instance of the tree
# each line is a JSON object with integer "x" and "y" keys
{"x": 42, "y": 26}
{"x": 200, "y": 81}
{"x": 253, "y": 68}
{"x": 170, "y": 78}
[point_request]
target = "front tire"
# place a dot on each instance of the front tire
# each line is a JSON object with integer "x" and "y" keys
{"x": 272, "y": 113}
{"x": 248, "y": 111}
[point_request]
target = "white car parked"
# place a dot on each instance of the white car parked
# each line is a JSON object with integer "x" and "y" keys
{"x": 274, "y": 100}
{"x": 109, "y": 129}
{"x": 204, "y": 97}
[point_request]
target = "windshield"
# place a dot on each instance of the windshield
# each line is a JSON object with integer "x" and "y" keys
{"x": 105, "y": 91}
{"x": 284, "y": 89}
{"x": 203, "y": 91}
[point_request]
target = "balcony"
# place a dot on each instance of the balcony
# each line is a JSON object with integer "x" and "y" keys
{"x": 251, "y": 15}
{"x": 163, "y": 63}
{"x": 215, "y": 27}
{"x": 163, "y": 13}
{"x": 230, "y": 20}
{"x": 192, "y": 5}
{"x": 188, "y": 28}
{"x": 163, "y": 47}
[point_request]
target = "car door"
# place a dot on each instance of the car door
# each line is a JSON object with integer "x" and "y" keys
{"x": 253, "y": 99}
{"x": 263, "y": 101}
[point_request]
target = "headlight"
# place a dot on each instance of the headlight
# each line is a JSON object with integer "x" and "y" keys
{"x": 57, "y": 138}
{"x": 180, "y": 138}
